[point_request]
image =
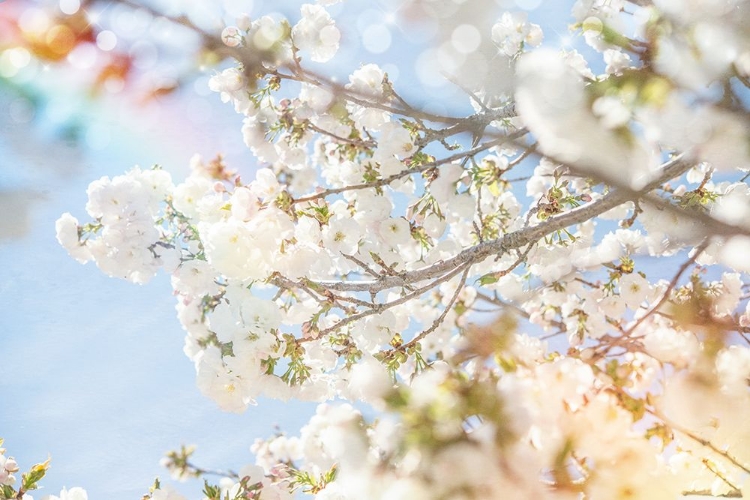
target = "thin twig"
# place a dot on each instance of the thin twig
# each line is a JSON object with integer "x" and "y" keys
{"x": 439, "y": 320}
{"x": 699, "y": 440}
{"x": 410, "y": 171}
{"x": 518, "y": 309}
{"x": 376, "y": 309}
{"x": 671, "y": 286}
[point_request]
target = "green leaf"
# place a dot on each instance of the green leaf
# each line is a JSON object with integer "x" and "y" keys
{"x": 156, "y": 485}
{"x": 487, "y": 279}
{"x": 8, "y": 492}
{"x": 660, "y": 431}
{"x": 330, "y": 475}
{"x": 36, "y": 473}
{"x": 636, "y": 407}
{"x": 211, "y": 492}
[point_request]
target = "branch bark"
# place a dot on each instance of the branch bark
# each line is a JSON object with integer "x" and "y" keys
{"x": 517, "y": 239}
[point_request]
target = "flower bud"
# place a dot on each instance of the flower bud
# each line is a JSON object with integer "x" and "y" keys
{"x": 231, "y": 36}
{"x": 11, "y": 466}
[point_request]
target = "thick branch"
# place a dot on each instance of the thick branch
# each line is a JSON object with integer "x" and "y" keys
{"x": 708, "y": 493}
{"x": 522, "y": 237}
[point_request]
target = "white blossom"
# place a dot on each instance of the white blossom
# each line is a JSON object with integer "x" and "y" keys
{"x": 316, "y": 33}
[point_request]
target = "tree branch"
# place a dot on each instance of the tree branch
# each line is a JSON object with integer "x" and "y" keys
{"x": 517, "y": 239}
{"x": 414, "y": 170}
{"x": 382, "y": 307}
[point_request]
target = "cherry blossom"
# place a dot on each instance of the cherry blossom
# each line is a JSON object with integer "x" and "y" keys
{"x": 546, "y": 297}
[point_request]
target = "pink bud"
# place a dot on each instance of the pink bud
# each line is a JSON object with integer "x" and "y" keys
{"x": 231, "y": 36}
{"x": 11, "y": 465}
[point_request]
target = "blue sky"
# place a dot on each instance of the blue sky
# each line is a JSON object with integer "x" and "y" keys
{"x": 91, "y": 368}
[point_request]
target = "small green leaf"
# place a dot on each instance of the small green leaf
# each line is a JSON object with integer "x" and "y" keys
{"x": 8, "y": 492}
{"x": 211, "y": 492}
{"x": 487, "y": 279}
{"x": 660, "y": 431}
{"x": 156, "y": 485}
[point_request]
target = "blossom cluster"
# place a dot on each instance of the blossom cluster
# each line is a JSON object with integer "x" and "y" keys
{"x": 13, "y": 489}
{"x": 8, "y": 467}
{"x": 362, "y": 259}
